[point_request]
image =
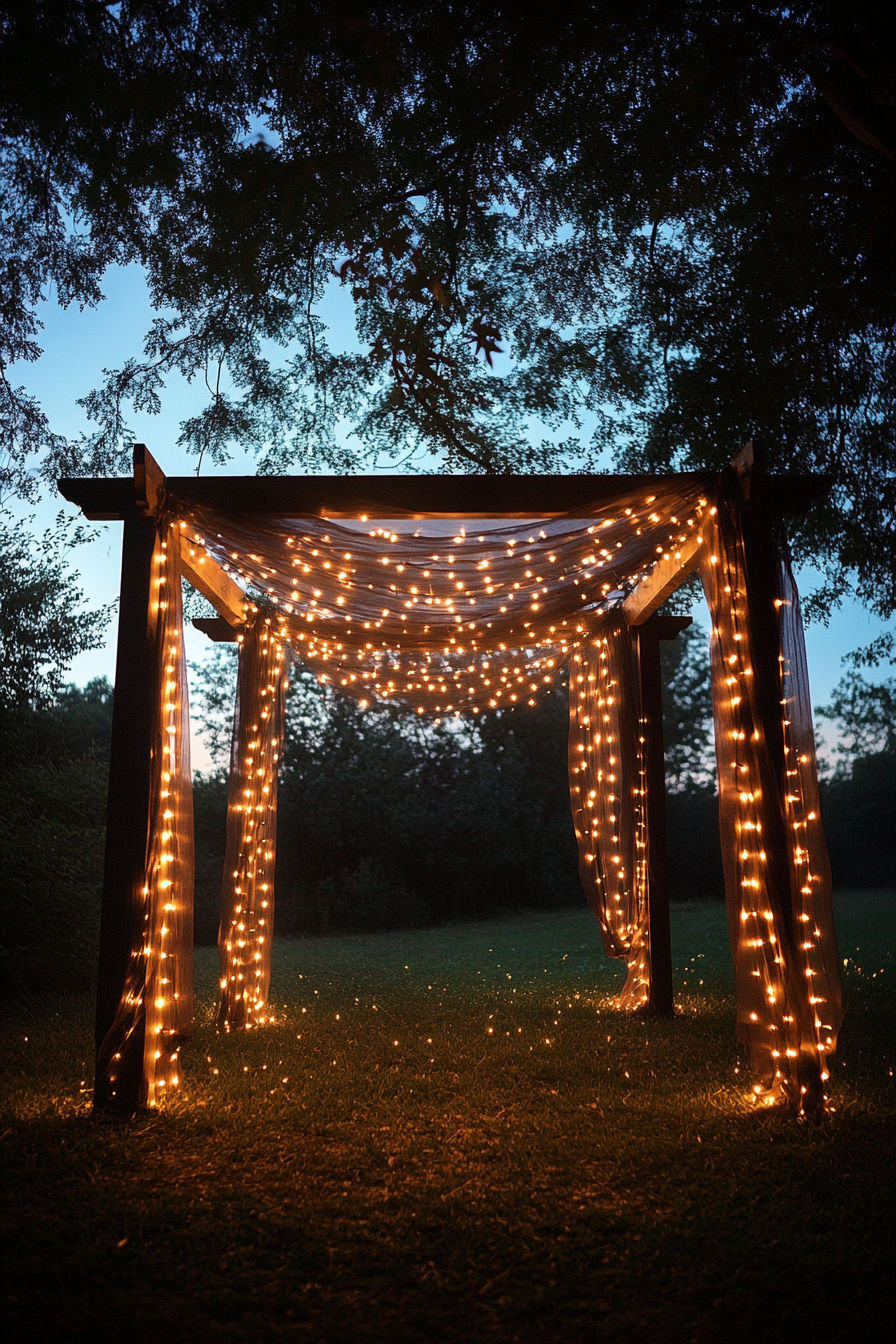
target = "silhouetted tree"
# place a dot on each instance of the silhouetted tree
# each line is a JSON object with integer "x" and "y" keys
{"x": 676, "y": 222}
{"x": 53, "y": 785}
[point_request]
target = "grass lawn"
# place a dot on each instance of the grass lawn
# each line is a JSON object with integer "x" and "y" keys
{"x": 450, "y": 1135}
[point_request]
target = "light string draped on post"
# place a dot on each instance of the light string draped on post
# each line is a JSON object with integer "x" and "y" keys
{"x": 247, "y": 896}
{"x": 155, "y": 1015}
{"x": 777, "y": 874}
{"x": 608, "y": 794}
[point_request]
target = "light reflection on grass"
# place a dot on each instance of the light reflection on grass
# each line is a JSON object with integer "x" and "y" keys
{"x": 458, "y": 1137}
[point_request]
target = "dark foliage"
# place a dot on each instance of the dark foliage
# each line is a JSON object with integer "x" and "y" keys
{"x": 383, "y": 824}
{"x": 687, "y": 709}
{"x": 209, "y": 819}
{"x": 866, "y": 714}
{"x": 42, "y": 625}
{"x": 859, "y": 811}
{"x": 53, "y": 787}
{"x": 695, "y": 855}
{"x": 638, "y": 228}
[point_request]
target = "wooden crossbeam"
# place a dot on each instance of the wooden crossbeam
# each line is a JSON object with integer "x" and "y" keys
{"x": 662, "y": 580}
{"x": 206, "y": 575}
{"x": 417, "y": 497}
{"x": 216, "y": 628}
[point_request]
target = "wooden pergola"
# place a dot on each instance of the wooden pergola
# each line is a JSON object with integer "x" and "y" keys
{"x": 138, "y": 502}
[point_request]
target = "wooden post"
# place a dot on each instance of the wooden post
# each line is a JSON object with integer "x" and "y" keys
{"x": 648, "y": 636}
{"x": 128, "y": 807}
{"x": 134, "y": 705}
{"x": 763, "y": 541}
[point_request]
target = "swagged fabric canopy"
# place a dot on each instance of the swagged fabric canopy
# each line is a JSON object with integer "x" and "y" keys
{"x": 446, "y": 618}
{"x": 442, "y": 620}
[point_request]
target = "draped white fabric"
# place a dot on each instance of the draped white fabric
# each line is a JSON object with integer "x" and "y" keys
{"x": 447, "y": 624}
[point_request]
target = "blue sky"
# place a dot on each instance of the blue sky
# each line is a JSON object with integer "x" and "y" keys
{"x": 78, "y": 345}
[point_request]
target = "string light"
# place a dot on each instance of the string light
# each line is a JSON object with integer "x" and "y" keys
{"x": 248, "y": 894}
{"x": 446, "y": 625}
{"x": 788, "y": 986}
{"x": 608, "y": 792}
{"x": 156, "y": 1010}
{"x": 452, "y": 625}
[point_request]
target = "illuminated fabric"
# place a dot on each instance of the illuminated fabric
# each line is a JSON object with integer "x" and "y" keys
{"x": 607, "y": 783}
{"x": 447, "y": 623}
{"x": 156, "y": 1012}
{"x": 777, "y": 875}
{"x": 448, "y": 619}
{"x": 247, "y": 907}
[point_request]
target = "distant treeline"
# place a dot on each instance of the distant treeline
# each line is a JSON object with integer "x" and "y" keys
{"x": 382, "y": 824}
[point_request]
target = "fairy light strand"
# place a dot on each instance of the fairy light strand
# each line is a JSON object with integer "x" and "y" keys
{"x": 788, "y": 1000}
{"x": 248, "y": 888}
{"x": 608, "y": 792}
{"x": 454, "y": 624}
{"x": 447, "y": 625}
{"x": 155, "y": 1015}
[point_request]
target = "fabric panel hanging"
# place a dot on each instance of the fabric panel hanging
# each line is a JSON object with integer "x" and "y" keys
{"x": 448, "y": 619}
{"x": 155, "y": 1015}
{"x": 777, "y": 875}
{"x": 247, "y": 896}
{"x": 451, "y": 623}
{"x": 607, "y": 780}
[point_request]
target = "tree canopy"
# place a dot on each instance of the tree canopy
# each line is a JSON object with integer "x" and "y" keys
{"x": 866, "y": 714}
{"x": 42, "y": 622}
{"x": 604, "y": 232}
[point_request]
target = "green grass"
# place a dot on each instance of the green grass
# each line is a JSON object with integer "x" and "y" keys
{"x": 459, "y": 1139}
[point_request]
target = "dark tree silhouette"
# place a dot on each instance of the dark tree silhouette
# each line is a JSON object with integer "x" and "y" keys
{"x": 637, "y": 228}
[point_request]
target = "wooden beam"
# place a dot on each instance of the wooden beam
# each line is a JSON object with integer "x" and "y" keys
{"x": 411, "y": 496}
{"x": 669, "y": 627}
{"x": 217, "y": 629}
{"x": 207, "y": 576}
{"x": 100, "y": 499}
{"x": 662, "y": 580}
{"x": 149, "y": 481}
{"x": 444, "y": 496}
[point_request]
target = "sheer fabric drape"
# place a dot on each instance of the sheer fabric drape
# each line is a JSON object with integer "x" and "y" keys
{"x": 451, "y": 623}
{"x": 448, "y": 624}
{"x": 777, "y": 875}
{"x": 155, "y": 1016}
{"x": 247, "y": 906}
{"x": 607, "y": 779}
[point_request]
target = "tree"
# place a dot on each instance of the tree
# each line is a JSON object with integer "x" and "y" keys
{"x": 53, "y": 787}
{"x": 859, "y": 800}
{"x": 384, "y": 821}
{"x": 866, "y": 713}
{"x": 42, "y": 626}
{"x": 54, "y": 743}
{"x": 669, "y": 224}
{"x": 687, "y": 710}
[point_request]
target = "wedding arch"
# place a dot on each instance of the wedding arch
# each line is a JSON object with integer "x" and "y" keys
{"x": 448, "y": 595}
